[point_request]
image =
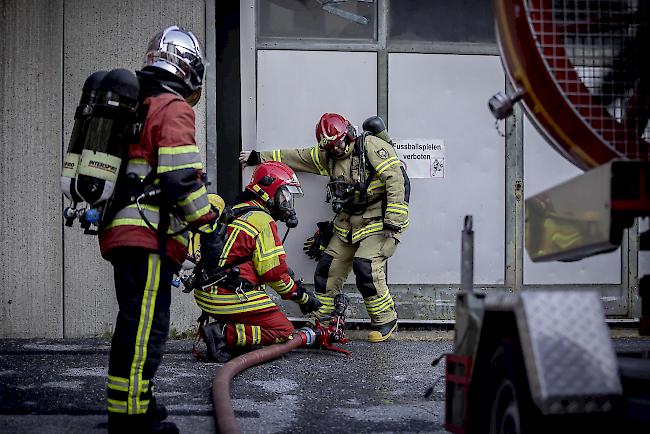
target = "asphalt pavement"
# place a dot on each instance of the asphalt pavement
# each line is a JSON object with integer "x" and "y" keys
{"x": 58, "y": 386}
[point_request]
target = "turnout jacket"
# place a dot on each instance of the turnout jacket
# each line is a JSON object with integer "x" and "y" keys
{"x": 167, "y": 146}
{"x": 254, "y": 235}
{"x": 386, "y": 204}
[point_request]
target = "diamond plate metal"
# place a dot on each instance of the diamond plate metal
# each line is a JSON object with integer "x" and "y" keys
{"x": 569, "y": 357}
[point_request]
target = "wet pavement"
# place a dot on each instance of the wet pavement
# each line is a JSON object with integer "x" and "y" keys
{"x": 58, "y": 386}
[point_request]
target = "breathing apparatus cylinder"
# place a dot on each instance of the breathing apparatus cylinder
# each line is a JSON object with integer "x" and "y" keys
{"x": 376, "y": 126}
{"x": 110, "y": 131}
{"x": 77, "y": 142}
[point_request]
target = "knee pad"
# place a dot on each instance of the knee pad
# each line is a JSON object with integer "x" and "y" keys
{"x": 321, "y": 273}
{"x": 363, "y": 271}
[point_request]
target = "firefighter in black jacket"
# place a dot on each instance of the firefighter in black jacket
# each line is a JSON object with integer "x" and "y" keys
{"x": 146, "y": 253}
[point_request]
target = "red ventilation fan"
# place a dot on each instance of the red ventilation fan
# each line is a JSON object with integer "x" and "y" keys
{"x": 582, "y": 68}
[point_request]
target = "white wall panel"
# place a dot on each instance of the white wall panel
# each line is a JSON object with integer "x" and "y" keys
{"x": 445, "y": 97}
{"x": 545, "y": 168}
{"x": 294, "y": 88}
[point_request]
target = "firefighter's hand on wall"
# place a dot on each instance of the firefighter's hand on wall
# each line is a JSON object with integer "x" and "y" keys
{"x": 249, "y": 158}
{"x": 305, "y": 299}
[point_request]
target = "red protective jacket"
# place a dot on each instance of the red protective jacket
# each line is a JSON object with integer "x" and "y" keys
{"x": 167, "y": 146}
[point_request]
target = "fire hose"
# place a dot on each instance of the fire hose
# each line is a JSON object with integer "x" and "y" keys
{"x": 316, "y": 336}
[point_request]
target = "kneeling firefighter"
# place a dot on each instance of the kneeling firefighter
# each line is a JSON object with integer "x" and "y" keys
{"x": 252, "y": 256}
{"x": 369, "y": 191}
{"x": 146, "y": 242}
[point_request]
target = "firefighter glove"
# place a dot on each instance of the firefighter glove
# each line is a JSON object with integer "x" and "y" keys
{"x": 305, "y": 299}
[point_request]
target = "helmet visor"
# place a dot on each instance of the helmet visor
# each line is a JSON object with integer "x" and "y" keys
{"x": 286, "y": 195}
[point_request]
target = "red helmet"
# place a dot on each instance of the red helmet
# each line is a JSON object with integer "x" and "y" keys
{"x": 277, "y": 185}
{"x": 331, "y": 128}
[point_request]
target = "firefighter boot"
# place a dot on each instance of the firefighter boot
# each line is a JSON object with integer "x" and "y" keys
{"x": 215, "y": 342}
{"x": 140, "y": 423}
{"x": 155, "y": 410}
{"x": 382, "y": 332}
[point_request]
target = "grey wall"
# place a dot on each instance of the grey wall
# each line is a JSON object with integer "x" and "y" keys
{"x": 54, "y": 282}
{"x": 31, "y": 261}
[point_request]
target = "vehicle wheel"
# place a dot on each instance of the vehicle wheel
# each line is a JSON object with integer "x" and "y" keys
{"x": 504, "y": 415}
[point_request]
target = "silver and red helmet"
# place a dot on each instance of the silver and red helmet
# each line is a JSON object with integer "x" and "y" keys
{"x": 178, "y": 51}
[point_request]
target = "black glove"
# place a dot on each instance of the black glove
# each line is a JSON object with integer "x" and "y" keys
{"x": 305, "y": 299}
{"x": 254, "y": 159}
{"x": 316, "y": 245}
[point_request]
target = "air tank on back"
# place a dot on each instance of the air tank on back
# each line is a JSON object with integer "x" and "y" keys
{"x": 376, "y": 126}
{"x": 77, "y": 142}
{"x": 109, "y": 132}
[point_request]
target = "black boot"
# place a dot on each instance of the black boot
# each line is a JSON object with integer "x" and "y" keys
{"x": 156, "y": 411}
{"x": 140, "y": 423}
{"x": 215, "y": 342}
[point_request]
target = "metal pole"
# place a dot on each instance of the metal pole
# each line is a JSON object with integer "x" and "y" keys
{"x": 467, "y": 257}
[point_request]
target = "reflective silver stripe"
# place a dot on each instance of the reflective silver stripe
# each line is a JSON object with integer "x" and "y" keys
{"x": 178, "y": 157}
{"x": 139, "y": 167}
{"x": 195, "y": 205}
{"x": 130, "y": 216}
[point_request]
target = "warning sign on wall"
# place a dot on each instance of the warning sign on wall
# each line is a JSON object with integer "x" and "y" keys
{"x": 422, "y": 158}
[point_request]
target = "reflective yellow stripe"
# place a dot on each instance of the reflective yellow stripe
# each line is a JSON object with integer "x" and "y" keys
{"x": 277, "y": 156}
{"x": 194, "y": 195}
{"x": 229, "y": 298}
{"x": 327, "y": 304}
{"x": 376, "y": 184}
{"x": 241, "y": 335}
{"x": 341, "y": 231}
{"x": 142, "y": 335}
{"x": 234, "y": 308}
{"x": 386, "y": 164}
{"x": 397, "y": 209}
{"x": 176, "y": 150}
{"x": 226, "y": 249}
{"x": 315, "y": 157}
{"x": 280, "y": 287}
{"x": 115, "y": 406}
{"x": 398, "y": 205}
{"x": 257, "y": 335}
{"x": 367, "y": 230}
{"x": 165, "y": 169}
{"x": 117, "y": 383}
{"x": 379, "y": 305}
{"x": 246, "y": 227}
{"x": 268, "y": 254}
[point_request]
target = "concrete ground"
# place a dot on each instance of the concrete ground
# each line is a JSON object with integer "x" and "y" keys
{"x": 58, "y": 386}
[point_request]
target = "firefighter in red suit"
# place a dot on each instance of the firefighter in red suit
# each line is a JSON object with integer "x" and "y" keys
{"x": 245, "y": 315}
{"x": 147, "y": 252}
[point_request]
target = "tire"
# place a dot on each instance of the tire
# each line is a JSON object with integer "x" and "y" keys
{"x": 504, "y": 414}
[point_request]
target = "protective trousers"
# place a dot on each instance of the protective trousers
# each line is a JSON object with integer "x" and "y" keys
{"x": 248, "y": 329}
{"x": 367, "y": 259}
{"x": 143, "y": 289}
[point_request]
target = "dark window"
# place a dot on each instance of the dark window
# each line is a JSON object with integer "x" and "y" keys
{"x": 317, "y": 19}
{"x": 441, "y": 21}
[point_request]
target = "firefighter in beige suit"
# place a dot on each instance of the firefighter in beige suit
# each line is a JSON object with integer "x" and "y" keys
{"x": 370, "y": 191}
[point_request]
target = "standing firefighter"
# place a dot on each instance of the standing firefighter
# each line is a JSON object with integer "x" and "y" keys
{"x": 253, "y": 256}
{"x": 369, "y": 191}
{"x": 145, "y": 242}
